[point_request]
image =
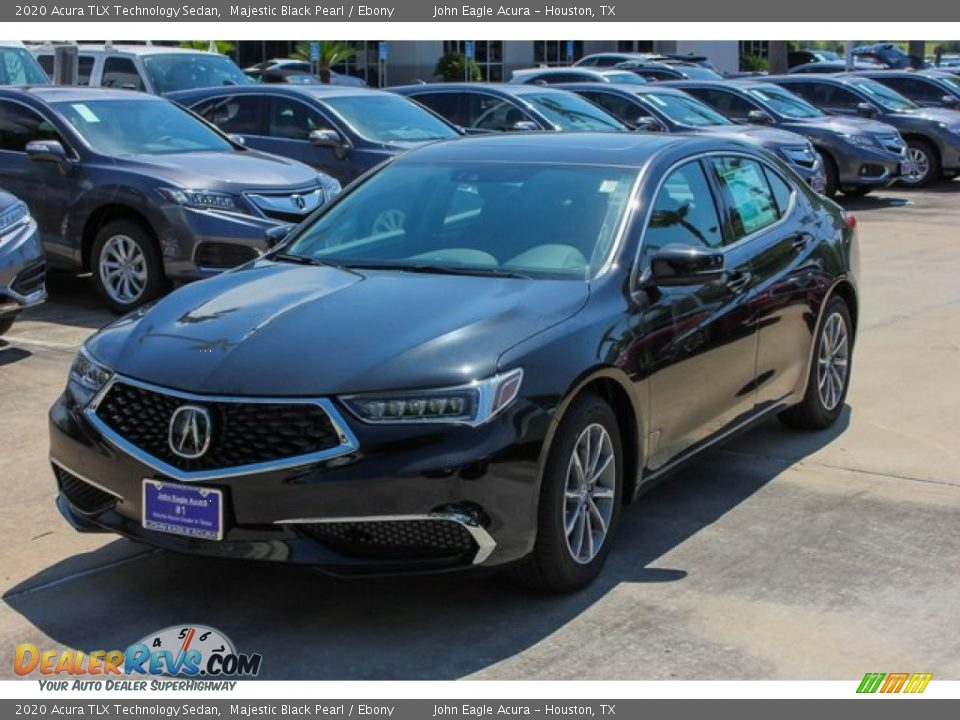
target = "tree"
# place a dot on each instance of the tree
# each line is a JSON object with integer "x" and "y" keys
{"x": 454, "y": 67}
{"x": 222, "y": 46}
{"x": 331, "y": 53}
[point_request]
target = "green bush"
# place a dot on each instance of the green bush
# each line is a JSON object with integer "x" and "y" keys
{"x": 451, "y": 67}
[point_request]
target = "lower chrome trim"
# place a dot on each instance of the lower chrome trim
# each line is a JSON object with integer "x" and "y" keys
{"x": 348, "y": 441}
{"x": 485, "y": 542}
{"x": 85, "y": 479}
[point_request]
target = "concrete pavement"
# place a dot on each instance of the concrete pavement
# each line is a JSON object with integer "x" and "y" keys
{"x": 779, "y": 556}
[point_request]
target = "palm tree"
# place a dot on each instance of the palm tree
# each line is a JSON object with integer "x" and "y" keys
{"x": 221, "y": 46}
{"x": 331, "y": 53}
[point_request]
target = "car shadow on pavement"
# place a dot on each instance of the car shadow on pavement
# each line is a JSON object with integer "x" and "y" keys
{"x": 10, "y": 354}
{"x": 874, "y": 202}
{"x": 308, "y": 626}
{"x": 71, "y": 301}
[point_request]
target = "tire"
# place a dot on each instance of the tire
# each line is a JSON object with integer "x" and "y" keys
{"x": 6, "y": 323}
{"x": 856, "y": 191}
{"x": 922, "y": 152}
{"x": 553, "y": 566}
{"x": 817, "y": 412}
{"x": 127, "y": 245}
{"x": 831, "y": 177}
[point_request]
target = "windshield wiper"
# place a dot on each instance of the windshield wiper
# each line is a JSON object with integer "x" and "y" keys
{"x": 315, "y": 262}
{"x": 440, "y": 269}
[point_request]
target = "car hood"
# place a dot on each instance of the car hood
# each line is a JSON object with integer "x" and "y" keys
{"x": 6, "y": 200}
{"x": 226, "y": 171}
{"x": 943, "y": 115}
{"x": 279, "y": 329}
{"x": 762, "y": 136}
{"x": 840, "y": 123}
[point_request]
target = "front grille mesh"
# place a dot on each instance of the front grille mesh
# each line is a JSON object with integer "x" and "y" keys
{"x": 220, "y": 256}
{"x": 243, "y": 433}
{"x": 82, "y": 495}
{"x": 396, "y": 539}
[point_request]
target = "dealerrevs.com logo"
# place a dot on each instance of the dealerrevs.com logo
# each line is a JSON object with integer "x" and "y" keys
{"x": 889, "y": 683}
{"x": 184, "y": 651}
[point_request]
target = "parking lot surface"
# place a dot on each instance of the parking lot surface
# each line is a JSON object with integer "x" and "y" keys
{"x": 778, "y": 556}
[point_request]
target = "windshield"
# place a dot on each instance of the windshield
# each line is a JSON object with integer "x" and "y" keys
{"x": 626, "y": 77}
{"x": 685, "y": 110}
{"x": 18, "y": 67}
{"x": 695, "y": 72}
{"x": 389, "y": 118}
{"x": 785, "y": 103}
{"x": 571, "y": 112}
{"x": 950, "y": 80}
{"x": 186, "y": 71}
{"x": 884, "y": 96}
{"x": 140, "y": 127}
{"x": 496, "y": 218}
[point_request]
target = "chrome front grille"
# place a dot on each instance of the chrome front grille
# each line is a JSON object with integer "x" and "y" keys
{"x": 290, "y": 207}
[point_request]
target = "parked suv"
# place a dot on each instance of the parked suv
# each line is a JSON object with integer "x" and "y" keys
{"x": 341, "y": 131}
{"x": 154, "y": 69}
{"x": 480, "y": 384}
{"x": 18, "y": 66}
{"x": 495, "y": 107}
{"x": 932, "y": 134}
{"x": 22, "y": 267}
{"x": 929, "y": 88}
{"x": 661, "y": 109}
{"x": 858, "y": 154}
{"x": 138, "y": 191}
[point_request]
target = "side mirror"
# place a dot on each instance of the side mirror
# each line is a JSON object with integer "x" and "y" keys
{"x": 238, "y": 139}
{"x": 276, "y": 234}
{"x": 951, "y": 101}
{"x": 649, "y": 124}
{"x": 679, "y": 265}
{"x": 866, "y": 109}
{"x": 524, "y": 126}
{"x": 325, "y": 138}
{"x": 759, "y": 117}
{"x": 46, "y": 151}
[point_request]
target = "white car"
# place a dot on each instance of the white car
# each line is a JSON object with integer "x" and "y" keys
{"x": 17, "y": 65}
{"x": 555, "y": 75}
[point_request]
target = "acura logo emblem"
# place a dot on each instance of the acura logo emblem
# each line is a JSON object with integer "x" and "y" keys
{"x": 299, "y": 201}
{"x": 190, "y": 431}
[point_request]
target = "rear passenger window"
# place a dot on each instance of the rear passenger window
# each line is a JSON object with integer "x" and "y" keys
{"x": 782, "y": 192}
{"x": 684, "y": 213}
{"x": 748, "y": 194}
{"x": 240, "y": 114}
{"x": 120, "y": 72}
{"x": 728, "y": 103}
{"x": 618, "y": 106}
{"x": 446, "y": 104}
{"x": 20, "y": 125}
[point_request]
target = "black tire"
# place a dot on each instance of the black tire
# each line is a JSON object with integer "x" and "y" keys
{"x": 831, "y": 182}
{"x": 551, "y": 566}
{"x": 6, "y": 323}
{"x": 812, "y": 413}
{"x": 857, "y": 191}
{"x": 933, "y": 163}
{"x": 156, "y": 282}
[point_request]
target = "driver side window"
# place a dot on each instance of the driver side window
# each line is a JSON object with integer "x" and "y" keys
{"x": 20, "y": 125}
{"x": 684, "y": 213}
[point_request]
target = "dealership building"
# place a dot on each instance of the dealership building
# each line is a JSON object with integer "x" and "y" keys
{"x": 410, "y": 61}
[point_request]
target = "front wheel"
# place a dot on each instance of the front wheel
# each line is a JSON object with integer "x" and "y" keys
{"x": 580, "y": 500}
{"x": 926, "y": 163}
{"x": 126, "y": 266}
{"x": 829, "y": 373}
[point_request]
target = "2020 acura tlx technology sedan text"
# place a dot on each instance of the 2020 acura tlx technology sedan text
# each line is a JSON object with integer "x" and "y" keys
{"x": 547, "y": 324}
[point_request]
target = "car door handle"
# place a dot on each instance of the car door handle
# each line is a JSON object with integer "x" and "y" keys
{"x": 738, "y": 281}
{"x": 801, "y": 241}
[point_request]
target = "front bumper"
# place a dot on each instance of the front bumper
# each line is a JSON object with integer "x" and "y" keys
{"x": 949, "y": 147}
{"x": 22, "y": 269}
{"x": 477, "y": 488}
{"x": 867, "y": 167}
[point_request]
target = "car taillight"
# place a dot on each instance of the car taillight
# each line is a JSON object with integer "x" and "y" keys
{"x": 851, "y": 220}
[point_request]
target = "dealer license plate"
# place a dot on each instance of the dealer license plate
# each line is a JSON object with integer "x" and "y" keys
{"x": 187, "y": 510}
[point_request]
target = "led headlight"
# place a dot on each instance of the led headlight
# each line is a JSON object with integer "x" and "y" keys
{"x": 87, "y": 377}
{"x": 859, "y": 140}
{"x": 201, "y": 199}
{"x": 12, "y": 217}
{"x": 471, "y": 404}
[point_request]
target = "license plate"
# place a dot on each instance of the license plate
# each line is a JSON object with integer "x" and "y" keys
{"x": 187, "y": 510}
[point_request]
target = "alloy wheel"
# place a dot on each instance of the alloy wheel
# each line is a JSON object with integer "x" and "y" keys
{"x": 123, "y": 269}
{"x": 589, "y": 493}
{"x": 833, "y": 361}
{"x": 921, "y": 165}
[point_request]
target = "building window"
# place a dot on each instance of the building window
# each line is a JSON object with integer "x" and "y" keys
{"x": 756, "y": 48}
{"x": 640, "y": 46}
{"x": 487, "y": 54}
{"x": 555, "y": 52}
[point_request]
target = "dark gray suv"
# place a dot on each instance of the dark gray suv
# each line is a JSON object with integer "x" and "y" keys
{"x": 858, "y": 154}
{"x": 140, "y": 192}
{"x": 932, "y": 134}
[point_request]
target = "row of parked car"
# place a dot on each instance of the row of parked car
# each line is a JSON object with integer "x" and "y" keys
{"x": 145, "y": 189}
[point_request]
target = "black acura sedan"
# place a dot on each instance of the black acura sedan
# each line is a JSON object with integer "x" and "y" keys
{"x": 474, "y": 357}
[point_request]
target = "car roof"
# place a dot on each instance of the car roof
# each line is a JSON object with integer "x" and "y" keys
{"x": 721, "y": 84}
{"x": 633, "y": 150}
{"x": 624, "y": 88}
{"x": 842, "y": 78}
{"x": 77, "y": 93}
{"x": 318, "y": 91}
{"x": 11, "y": 44}
{"x": 131, "y": 49}
{"x": 504, "y": 88}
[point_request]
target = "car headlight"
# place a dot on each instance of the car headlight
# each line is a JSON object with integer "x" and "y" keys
{"x": 87, "y": 377}
{"x": 803, "y": 155}
{"x": 859, "y": 140}
{"x": 472, "y": 404}
{"x": 201, "y": 199}
{"x": 13, "y": 216}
